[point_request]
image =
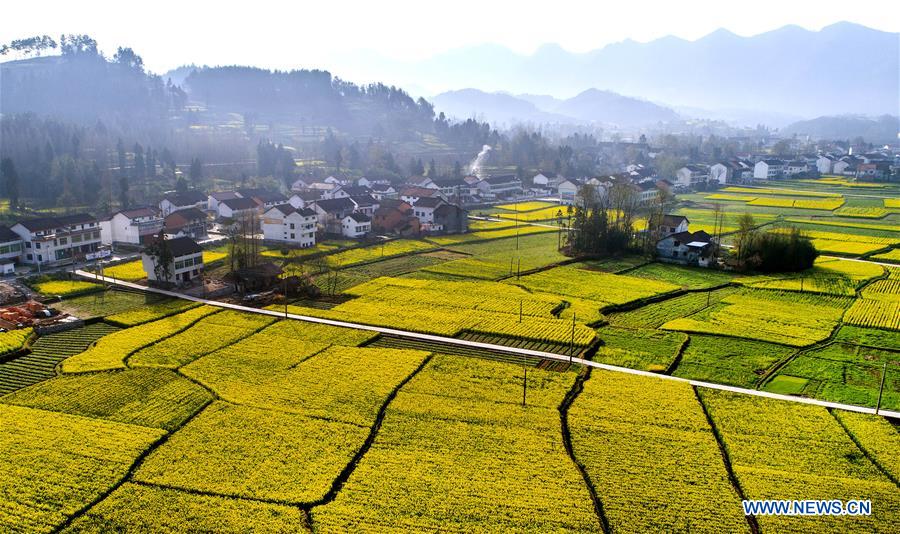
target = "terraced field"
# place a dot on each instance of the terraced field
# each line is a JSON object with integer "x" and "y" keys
{"x": 46, "y": 353}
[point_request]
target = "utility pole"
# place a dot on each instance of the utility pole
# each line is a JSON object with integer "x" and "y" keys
{"x": 881, "y": 390}
{"x": 520, "y": 310}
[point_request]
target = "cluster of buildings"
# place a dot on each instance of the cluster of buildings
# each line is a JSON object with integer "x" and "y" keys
{"x": 873, "y": 166}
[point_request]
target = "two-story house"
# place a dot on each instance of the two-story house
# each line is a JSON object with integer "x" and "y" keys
{"x": 130, "y": 227}
{"x": 181, "y": 201}
{"x": 57, "y": 240}
{"x": 286, "y": 224}
{"x": 190, "y": 222}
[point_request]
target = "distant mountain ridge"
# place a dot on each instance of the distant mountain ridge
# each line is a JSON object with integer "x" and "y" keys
{"x": 590, "y": 106}
{"x": 843, "y": 68}
{"x": 882, "y": 129}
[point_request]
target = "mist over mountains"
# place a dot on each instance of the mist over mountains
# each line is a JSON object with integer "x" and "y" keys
{"x": 843, "y": 68}
{"x": 590, "y": 106}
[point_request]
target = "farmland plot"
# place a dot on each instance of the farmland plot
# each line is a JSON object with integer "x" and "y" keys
{"x": 787, "y": 318}
{"x": 206, "y": 335}
{"x": 842, "y": 373}
{"x": 737, "y": 362}
{"x": 828, "y": 275}
{"x": 498, "y": 258}
{"x": 457, "y": 451}
{"x": 346, "y": 384}
{"x": 643, "y": 442}
{"x": 780, "y": 450}
{"x": 643, "y": 349}
{"x": 110, "y": 351}
{"x": 54, "y": 464}
{"x": 149, "y": 312}
{"x": 876, "y": 436}
{"x": 240, "y": 451}
{"x": 686, "y": 277}
{"x": 135, "y": 507}
{"x": 146, "y": 397}
{"x": 658, "y": 313}
{"x": 570, "y": 280}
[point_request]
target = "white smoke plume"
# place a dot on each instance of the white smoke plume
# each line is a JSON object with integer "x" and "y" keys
{"x": 475, "y": 166}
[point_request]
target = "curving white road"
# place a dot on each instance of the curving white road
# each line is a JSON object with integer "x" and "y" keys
{"x": 487, "y": 346}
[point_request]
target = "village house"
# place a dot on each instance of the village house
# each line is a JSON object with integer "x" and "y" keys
{"x": 286, "y": 224}
{"x": 300, "y": 184}
{"x": 768, "y": 169}
{"x": 55, "y": 240}
{"x": 670, "y": 224}
{"x": 422, "y": 181}
{"x": 382, "y": 191}
{"x": 190, "y": 222}
{"x": 453, "y": 188}
{"x": 691, "y": 176}
{"x": 451, "y": 218}
{"x": 825, "y": 164}
{"x": 347, "y": 191}
{"x": 304, "y": 198}
{"x": 130, "y": 227}
{"x": 330, "y": 213}
{"x": 180, "y": 201}
{"x": 686, "y": 248}
{"x": 269, "y": 199}
{"x": 795, "y": 167}
{"x": 411, "y": 195}
{"x": 504, "y": 186}
{"x": 365, "y": 204}
{"x": 540, "y": 179}
{"x": 10, "y": 249}
{"x": 568, "y": 190}
{"x": 395, "y": 216}
{"x": 236, "y": 208}
{"x": 424, "y": 209}
{"x": 733, "y": 171}
{"x": 356, "y": 225}
{"x": 186, "y": 263}
{"x": 213, "y": 199}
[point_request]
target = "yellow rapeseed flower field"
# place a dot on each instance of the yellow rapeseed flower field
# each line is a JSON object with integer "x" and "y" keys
{"x": 53, "y": 464}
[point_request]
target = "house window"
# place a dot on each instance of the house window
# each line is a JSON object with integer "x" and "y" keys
{"x": 674, "y": 253}
{"x": 292, "y": 236}
{"x": 37, "y": 245}
{"x": 677, "y": 244}
{"x": 28, "y": 245}
{"x": 64, "y": 241}
{"x": 292, "y": 226}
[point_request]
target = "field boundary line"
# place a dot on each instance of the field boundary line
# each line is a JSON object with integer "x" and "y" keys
{"x": 864, "y": 450}
{"x": 338, "y": 483}
{"x": 563, "y": 408}
{"x": 726, "y": 459}
{"x": 512, "y": 350}
{"x": 129, "y": 474}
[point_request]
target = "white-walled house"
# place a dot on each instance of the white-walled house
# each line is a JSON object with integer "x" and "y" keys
{"x": 52, "y": 240}
{"x": 691, "y": 175}
{"x": 181, "y": 201}
{"x": 540, "y": 180}
{"x": 796, "y": 167}
{"x": 234, "y": 208}
{"x": 213, "y": 199}
{"x": 10, "y": 247}
{"x": 568, "y": 191}
{"x": 356, "y": 225}
{"x": 130, "y": 227}
{"x": 672, "y": 224}
{"x": 186, "y": 264}
{"x": 824, "y": 164}
{"x": 286, "y": 224}
{"x": 424, "y": 209}
{"x": 768, "y": 169}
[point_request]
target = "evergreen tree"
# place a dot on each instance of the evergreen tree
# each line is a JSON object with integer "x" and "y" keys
{"x": 10, "y": 181}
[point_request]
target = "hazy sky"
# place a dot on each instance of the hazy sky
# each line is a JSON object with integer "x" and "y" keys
{"x": 323, "y": 34}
